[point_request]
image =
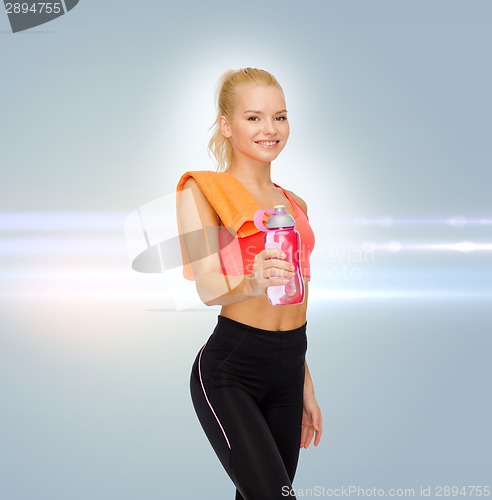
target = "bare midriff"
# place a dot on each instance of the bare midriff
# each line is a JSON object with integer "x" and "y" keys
{"x": 259, "y": 313}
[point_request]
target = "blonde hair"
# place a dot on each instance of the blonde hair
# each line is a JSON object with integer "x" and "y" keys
{"x": 219, "y": 146}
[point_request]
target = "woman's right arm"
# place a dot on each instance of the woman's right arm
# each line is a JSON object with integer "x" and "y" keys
{"x": 200, "y": 227}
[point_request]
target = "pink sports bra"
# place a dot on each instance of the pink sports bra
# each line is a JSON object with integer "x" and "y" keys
{"x": 237, "y": 254}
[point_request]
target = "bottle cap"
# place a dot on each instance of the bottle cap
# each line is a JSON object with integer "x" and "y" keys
{"x": 280, "y": 218}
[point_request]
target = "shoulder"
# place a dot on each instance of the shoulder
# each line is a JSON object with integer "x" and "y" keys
{"x": 298, "y": 200}
{"x": 203, "y": 178}
{"x": 200, "y": 201}
{"x": 190, "y": 183}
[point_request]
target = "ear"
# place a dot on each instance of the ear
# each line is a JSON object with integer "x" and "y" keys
{"x": 224, "y": 127}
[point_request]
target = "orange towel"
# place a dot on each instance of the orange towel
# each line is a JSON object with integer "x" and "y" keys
{"x": 233, "y": 203}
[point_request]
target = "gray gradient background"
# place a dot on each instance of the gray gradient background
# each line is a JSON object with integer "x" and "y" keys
{"x": 104, "y": 108}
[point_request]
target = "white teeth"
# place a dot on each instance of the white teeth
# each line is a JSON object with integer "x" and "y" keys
{"x": 267, "y": 143}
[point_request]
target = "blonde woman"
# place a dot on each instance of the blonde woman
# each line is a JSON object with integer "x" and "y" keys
{"x": 250, "y": 383}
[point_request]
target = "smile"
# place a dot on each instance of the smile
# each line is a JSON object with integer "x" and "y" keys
{"x": 267, "y": 144}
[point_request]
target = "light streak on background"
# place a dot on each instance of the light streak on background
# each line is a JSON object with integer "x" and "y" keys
{"x": 73, "y": 256}
{"x": 111, "y": 221}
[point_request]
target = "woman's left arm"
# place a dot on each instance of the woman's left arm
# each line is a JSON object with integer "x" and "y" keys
{"x": 312, "y": 424}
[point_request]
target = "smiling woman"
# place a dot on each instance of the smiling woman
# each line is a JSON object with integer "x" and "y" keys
{"x": 260, "y": 134}
{"x": 250, "y": 383}
{"x": 238, "y": 100}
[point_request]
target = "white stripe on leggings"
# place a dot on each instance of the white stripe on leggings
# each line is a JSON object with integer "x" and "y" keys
{"x": 203, "y": 388}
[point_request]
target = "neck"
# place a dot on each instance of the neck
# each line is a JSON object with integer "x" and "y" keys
{"x": 253, "y": 174}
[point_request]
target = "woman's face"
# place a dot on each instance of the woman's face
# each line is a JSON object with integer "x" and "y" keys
{"x": 258, "y": 128}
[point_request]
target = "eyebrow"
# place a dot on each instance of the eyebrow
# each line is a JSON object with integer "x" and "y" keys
{"x": 260, "y": 113}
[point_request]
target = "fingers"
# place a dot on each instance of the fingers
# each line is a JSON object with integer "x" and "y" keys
{"x": 309, "y": 433}
{"x": 270, "y": 269}
{"x": 274, "y": 257}
{"x": 303, "y": 436}
{"x": 271, "y": 263}
{"x": 311, "y": 427}
{"x": 269, "y": 253}
{"x": 304, "y": 432}
{"x": 318, "y": 427}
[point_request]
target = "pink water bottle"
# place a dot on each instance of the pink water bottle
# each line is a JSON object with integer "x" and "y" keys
{"x": 281, "y": 233}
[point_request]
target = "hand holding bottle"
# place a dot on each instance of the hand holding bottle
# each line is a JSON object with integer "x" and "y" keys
{"x": 270, "y": 267}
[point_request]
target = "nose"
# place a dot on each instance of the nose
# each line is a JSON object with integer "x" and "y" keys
{"x": 269, "y": 127}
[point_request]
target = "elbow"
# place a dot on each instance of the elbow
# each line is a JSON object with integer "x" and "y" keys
{"x": 216, "y": 289}
{"x": 205, "y": 292}
{"x": 204, "y": 297}
{"x": 211, "y": 297}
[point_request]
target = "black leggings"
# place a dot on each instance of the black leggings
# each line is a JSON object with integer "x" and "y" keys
{"x": 247, "y": 389}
